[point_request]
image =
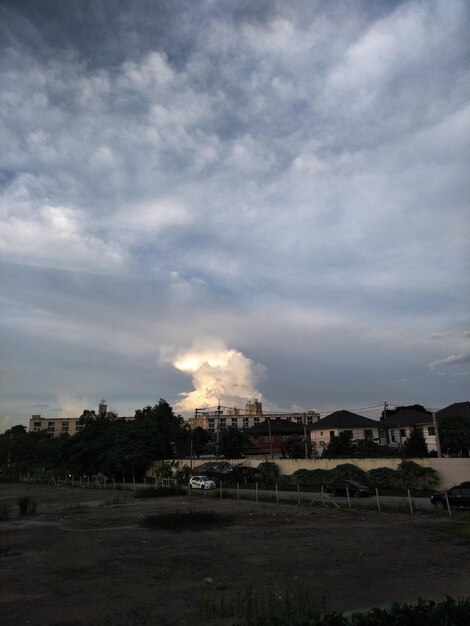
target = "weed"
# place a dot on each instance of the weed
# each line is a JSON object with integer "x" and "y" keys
{"x": 190, "y": 520}
{"x": 159, "y": 492}
{"x": 27, "y": 505}
{"x": 257, "y": 605}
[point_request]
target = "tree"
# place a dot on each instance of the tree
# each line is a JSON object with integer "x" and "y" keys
{"x": 340, "y": 446}
{"x": 454, "y": 435}
{"x": 415, "y": 444}
{"x": 231, "y": 443}
{"x": 368, "y": 448}
{"x": 410, "y": 407}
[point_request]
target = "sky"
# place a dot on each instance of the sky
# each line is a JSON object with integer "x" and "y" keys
{"x": 214, "y": 199}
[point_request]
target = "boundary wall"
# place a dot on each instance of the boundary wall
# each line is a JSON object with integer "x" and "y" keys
{"x": 450, "y": 470}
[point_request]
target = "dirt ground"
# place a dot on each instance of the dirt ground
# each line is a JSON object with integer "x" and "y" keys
{"x": 85, "y": 560}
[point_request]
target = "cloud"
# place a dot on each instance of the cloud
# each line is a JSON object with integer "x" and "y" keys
{"x": 218, "y": 374}
{"x": 451, "y": 360}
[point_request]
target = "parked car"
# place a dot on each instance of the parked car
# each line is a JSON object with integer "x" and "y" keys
{"x": 341, "y": 488}
{"x": 201, "y": 482}
{"x": 458, "y": 496}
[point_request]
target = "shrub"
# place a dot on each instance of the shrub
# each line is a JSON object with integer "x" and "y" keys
{"x": 413, "y": 475}
{"x": 267, "y": 472}
{"x": 27, "y": 505}
{"x": 423, "y": 613}
{"x": 348, "y": 471}
{"x": 159, "y": 492}
{"x": 190, "y": 520}
{"x": 383, "y": 477}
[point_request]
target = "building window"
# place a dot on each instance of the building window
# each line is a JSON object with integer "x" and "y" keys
{"x": 403, "y": 432}
{"x": 332, "y": 434}
{"x": 392, "y": 435}
{"x": 321, "y": 433}
{"x": 299, "y": 419}
{"x": 37, "y": 424}
{"x": 368, "y": 433}
{"x": 256, "y": 420}
{"x": 349, "y": 432}
{"x": 51, "y": 424}
{"x": 246, "y": 422}
{"x": 309, "y": 419}
{"x": 234, "y": 422}
{"x": 431, "y": 430}
{"x": 211, "y": 423}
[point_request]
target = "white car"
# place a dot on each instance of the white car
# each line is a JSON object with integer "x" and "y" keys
{"x": 201, "y": 482}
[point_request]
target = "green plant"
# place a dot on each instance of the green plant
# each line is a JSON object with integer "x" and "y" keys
{"x": 448, "y": 612}
{"x": 189, "y": 520}
{"x": 159, "y": 492}
{"x": 27, "y": 505}
{"x": 257, "y": 605}
{"x": 413, "y": 475}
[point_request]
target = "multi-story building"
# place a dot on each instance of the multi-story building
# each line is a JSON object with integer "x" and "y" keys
{"x": 66, "y": 425}
{"x": 221, "y": 417}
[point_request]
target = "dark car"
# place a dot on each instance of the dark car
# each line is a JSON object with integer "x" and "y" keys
{"x": 341, "y": 488}
{"x": 458, "y": 496}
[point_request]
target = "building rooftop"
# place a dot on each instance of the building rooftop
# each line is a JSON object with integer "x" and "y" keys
{"x": 344, "y": 419}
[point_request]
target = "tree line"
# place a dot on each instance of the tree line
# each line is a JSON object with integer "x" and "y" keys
{"x": 125, "y": 449}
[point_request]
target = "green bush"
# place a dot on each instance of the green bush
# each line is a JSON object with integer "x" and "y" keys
{"x": 413, "y": 475}
{"x": 159, "y": 492}
{"x": 27, "y": 505}
{"x": 382, "y": 477}
{"x": 348, "y": 471}
{"x": 449, "y": 612}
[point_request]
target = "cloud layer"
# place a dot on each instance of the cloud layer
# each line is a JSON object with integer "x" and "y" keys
{"x": 287, "y": 179}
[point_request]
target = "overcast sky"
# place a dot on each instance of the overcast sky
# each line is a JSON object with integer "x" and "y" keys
{"x": 234, "y": 199}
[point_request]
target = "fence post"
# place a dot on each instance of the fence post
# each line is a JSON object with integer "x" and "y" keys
{"x": 349, "y": 497}
{"x": 238, "y": 491}
{"x": 411, "y": 503}
{"x": 256, "y": 492}
{"x": 189, "y": 488}
{"x": 220, "y": 490}
{"x": 378, "y": 501}
{"x": 277, "y": 494}
{"x": 298, "y": 494}
{"x": 448, "y": 504}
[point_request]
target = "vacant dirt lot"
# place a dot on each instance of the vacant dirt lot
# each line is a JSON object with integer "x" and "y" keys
{"x": 85, "y": 560}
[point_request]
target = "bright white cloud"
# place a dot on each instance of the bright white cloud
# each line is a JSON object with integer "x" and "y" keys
{"x": 218, "y": 374}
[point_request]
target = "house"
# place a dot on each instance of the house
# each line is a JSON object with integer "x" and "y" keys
{"x": 397, "y": 427}
{"x": 273, "y": 435}
{"x": 358, "y": 426}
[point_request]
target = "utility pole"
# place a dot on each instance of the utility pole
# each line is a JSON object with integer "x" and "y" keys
{"x": 304, "y": 420}
{"x": 270, "y": 436}
{"x": 385, "y": 410}
{"x": 436, "y": 432}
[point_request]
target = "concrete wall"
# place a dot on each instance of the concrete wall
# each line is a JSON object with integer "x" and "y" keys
{"x": 450, "y": 471}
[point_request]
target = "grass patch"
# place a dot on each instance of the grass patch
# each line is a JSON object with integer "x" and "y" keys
{"x": 159, "y": 492}
{"x": 456, "y": 532}
{"x": 256, "y": 605}
{"x": 190, "y": 520}
{"x": 27, "y": 506}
